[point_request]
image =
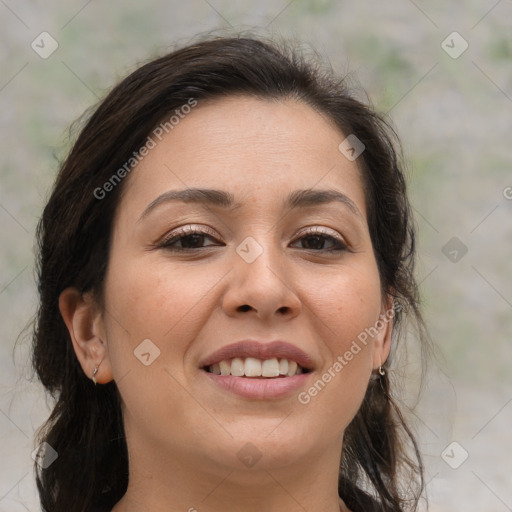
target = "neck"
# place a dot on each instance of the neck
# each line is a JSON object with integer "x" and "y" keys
{"x": 186, "y": 483}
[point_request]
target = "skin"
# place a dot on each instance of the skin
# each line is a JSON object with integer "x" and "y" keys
{"x": 183, "y": 433}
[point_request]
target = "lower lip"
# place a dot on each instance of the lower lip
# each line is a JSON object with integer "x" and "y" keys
{"x": 260, "y": 389}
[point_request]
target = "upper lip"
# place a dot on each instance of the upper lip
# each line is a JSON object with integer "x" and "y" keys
{"x": 260, "y": 350}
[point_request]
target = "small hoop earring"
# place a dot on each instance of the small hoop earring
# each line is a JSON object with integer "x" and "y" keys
{"x": 94, "y": 374}
{"x": 382, "y": 372}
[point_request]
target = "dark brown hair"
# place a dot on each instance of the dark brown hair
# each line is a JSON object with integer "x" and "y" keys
{"x": 380, "y": 456}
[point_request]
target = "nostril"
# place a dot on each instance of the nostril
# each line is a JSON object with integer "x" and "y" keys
{"x": 244, "y": 308}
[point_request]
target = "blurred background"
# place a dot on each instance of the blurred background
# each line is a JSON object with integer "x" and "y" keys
{"x": 442, "y": 71}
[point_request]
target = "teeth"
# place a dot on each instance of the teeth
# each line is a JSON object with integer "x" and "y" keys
{"x": 225, "y": 367}
{"x": 292, "y": 368}
{"x": 270, "y": 368}
{"x": 237, "y": 367}
{"x": 252, "y": 367}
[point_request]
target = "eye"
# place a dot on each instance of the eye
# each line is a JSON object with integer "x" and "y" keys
{"x": 189, "y": 238}
{"x": 318, "y": 239}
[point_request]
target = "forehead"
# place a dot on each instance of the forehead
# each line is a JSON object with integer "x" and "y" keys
{"x": 257, "y": 149}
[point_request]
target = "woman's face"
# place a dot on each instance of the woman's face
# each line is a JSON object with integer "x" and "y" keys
{"x": 282, "y": 262}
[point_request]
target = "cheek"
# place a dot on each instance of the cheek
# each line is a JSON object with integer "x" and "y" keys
{"x": 345, "y": 307}
{"x": 157, "y": 302}
{"x": 345, "y": 303}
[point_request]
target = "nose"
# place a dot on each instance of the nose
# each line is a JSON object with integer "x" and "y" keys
{"x": 263, "y": 288}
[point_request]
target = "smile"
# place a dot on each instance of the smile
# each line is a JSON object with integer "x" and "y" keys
{"x": 252, "y": 367}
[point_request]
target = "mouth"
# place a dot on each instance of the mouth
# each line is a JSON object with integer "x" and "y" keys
{"x": 253, "y": 368}
{"x": 258, "y": 371}
{"x": 253, "y": 359}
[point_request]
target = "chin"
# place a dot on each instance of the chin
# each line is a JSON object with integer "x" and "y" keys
{"x": 266, "y": 445}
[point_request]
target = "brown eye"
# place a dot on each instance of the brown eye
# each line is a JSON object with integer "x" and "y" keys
{"x": 193, "y": 241}
{"x": 190, "y": 239}
{"x": 317, "y": 240}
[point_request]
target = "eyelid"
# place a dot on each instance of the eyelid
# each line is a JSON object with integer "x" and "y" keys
{"x": 188, "y": 229}
{"x": 322, "y": 230}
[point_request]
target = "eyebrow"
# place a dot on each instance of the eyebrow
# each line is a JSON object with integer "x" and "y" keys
{"x": 310, "y": 197}
{"x": 220, "y": 198}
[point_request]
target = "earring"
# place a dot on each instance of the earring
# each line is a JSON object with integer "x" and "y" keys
{"x": 382, "y": 372}
{"x": 94, "y": 374}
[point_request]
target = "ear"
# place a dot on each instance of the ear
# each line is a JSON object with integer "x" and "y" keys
{"x": 84, "y": 321}
{"x": 382, "y": 341}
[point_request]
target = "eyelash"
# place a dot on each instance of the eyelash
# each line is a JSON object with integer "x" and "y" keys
{"x": 167, "y": 242}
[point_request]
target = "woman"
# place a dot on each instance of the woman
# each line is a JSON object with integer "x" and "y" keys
{"x": 225, "y": 263}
